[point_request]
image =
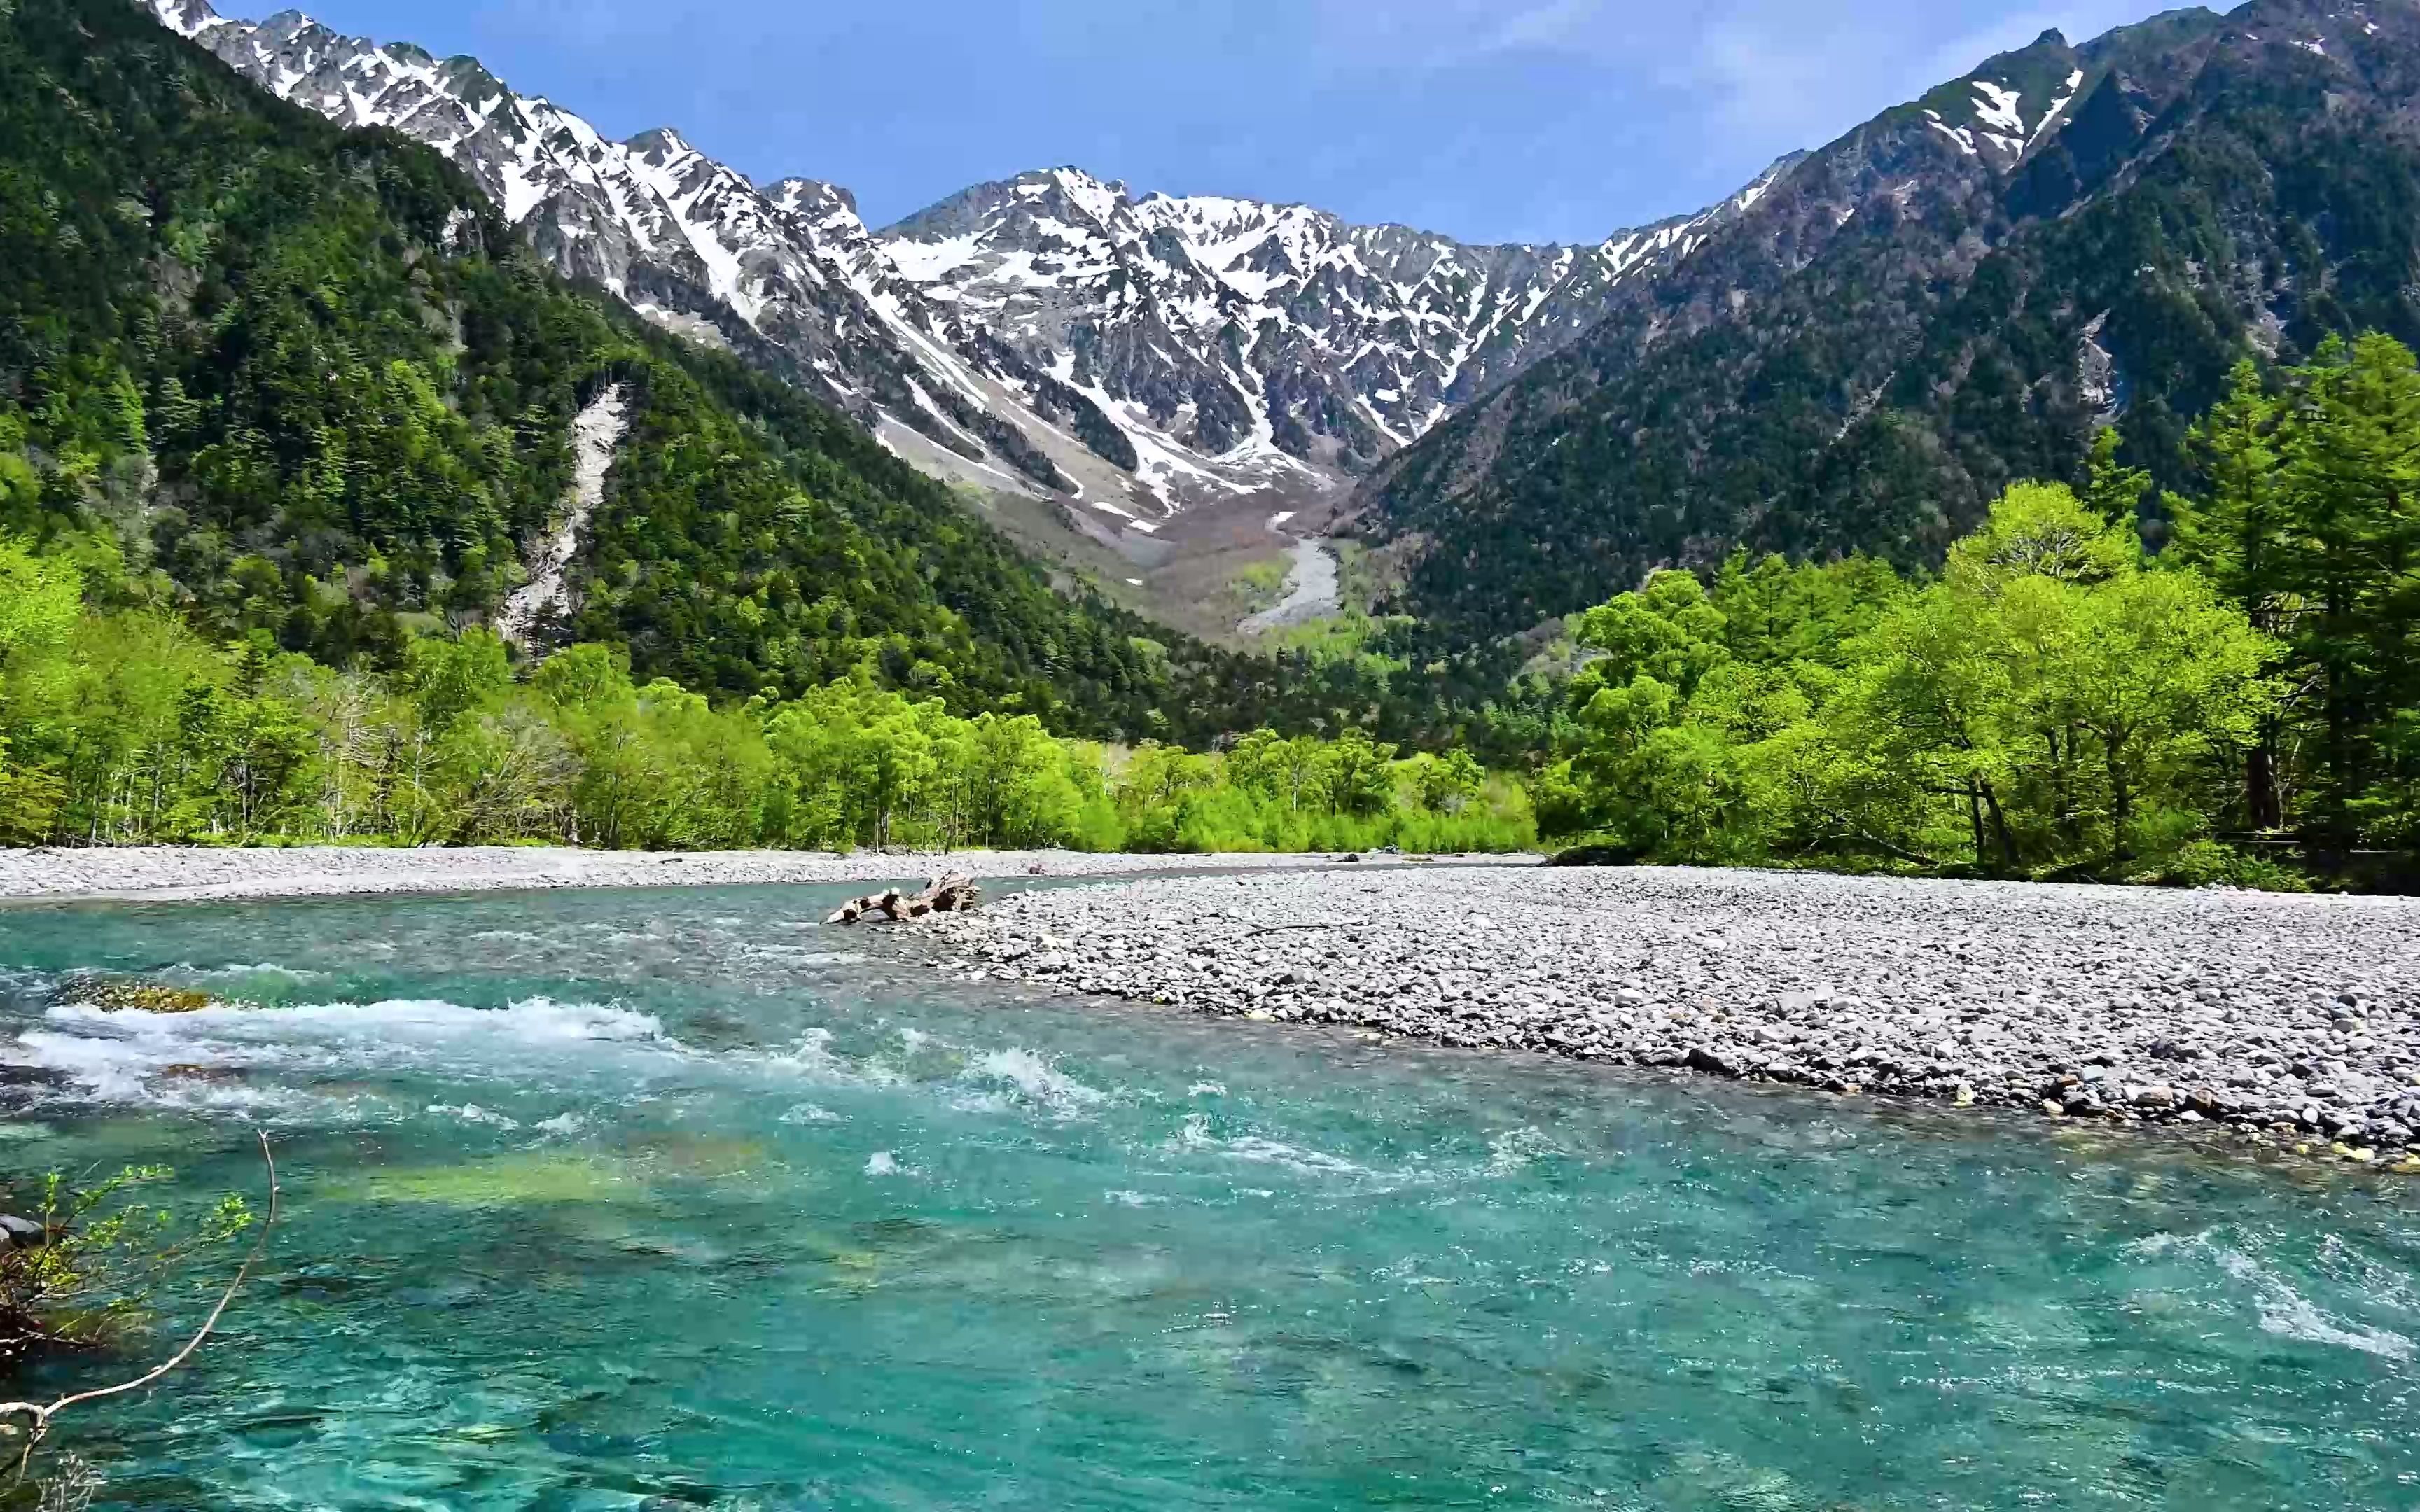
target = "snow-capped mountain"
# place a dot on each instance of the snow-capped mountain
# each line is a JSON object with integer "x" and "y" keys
{"x": 1238, "y": 326}
{"x": 1954, "y": 295}
{"x": 787, "y": 274}
{"x": 1053, "y": 334}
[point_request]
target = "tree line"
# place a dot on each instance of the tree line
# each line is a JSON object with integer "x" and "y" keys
{"x": 2117, "y": 683}
{"x": 130, "y": 726}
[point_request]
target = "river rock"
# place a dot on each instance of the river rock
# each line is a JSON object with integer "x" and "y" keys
{"x": 117, "y": 995}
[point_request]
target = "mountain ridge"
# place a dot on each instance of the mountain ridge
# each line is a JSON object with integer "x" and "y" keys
{"x": 1130, "y": 407}
{"x": 1854, "y": 352}
{"x": 279, "y": 386}
{"x": 1918, "y": 314}
{"x": 1377, "y": 331}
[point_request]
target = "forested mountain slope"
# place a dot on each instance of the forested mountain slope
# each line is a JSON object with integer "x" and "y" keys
{"x": 306, "y": 385}
{"x": 1951, "y": 296}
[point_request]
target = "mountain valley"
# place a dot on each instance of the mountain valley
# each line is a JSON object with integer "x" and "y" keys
{"x": 1132, "y": 385}
{"x": 1743, "y": 865}
{"x": 1234, "y": 416}
{"x": 1135, "y": 385}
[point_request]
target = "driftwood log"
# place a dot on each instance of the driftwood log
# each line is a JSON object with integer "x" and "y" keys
{"x": 949, "y": 893}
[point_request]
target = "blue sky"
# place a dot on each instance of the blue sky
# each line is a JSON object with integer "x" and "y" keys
{"x": 1488, "y": 119}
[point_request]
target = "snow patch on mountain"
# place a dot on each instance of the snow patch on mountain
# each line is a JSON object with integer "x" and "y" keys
{"x": 1238, "y": 330}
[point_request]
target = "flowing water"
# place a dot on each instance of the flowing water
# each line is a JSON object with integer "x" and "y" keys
{"x": 675, "y": 1199}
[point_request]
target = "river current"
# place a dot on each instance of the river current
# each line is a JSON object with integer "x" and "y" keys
{"x": 676, "y": 1199}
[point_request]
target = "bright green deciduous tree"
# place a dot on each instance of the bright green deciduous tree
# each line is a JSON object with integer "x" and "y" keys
{"x": 2027, "y": 710}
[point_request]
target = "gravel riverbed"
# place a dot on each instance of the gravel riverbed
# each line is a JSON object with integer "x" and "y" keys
{"x": 2296, "y": 1018}
{"x": 172, "y": 872}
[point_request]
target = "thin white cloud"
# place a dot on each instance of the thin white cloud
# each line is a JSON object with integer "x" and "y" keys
{"x": 1443, "y": 34}
{"x": 1792, "y": 85}
{"x": 1756, "y": 76}
{"x": 1552, "y": 25}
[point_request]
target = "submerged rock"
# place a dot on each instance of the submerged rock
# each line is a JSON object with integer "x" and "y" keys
{"x": 523, "y": 1178}
{"x": 201, "y": 1076}
{"x": 126, "y": 995}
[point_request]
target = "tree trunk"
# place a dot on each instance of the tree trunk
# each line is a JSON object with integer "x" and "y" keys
{"x": 2057, "y": 782}
{"x": 2000, "y": 827}
{"x": 2260, "y": 807}
{"x": 2121, "y": 803}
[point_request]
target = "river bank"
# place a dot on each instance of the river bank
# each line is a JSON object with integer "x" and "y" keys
{"x": 2294, "y": 1019}
{"x": 171, "y": 874}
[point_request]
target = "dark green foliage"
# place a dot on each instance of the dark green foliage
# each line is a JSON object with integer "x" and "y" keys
{"x": 235, "y": 333}
{"x": 2305, "y": 507}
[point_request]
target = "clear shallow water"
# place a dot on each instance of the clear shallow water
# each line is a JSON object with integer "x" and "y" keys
{"x": 664, "y": 1200}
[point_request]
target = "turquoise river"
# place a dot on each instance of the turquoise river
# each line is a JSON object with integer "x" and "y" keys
{"x": 677, "y": 1199}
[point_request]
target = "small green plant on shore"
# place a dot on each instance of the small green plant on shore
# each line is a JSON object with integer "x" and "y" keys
{"x": 2210, "y": 863}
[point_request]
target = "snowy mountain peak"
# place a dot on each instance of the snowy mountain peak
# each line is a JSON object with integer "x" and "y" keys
{"x": 812, "y": 196}
{"x": 1049, "y": 333}
{"x": 1235, "y": 323}
{"x": 1099, "y": 198}
{"x": 186, "y": 18}
{"x": 664, "y": 146}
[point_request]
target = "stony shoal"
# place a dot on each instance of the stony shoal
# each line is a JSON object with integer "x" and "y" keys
{"x": 2298, "y": 1017}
